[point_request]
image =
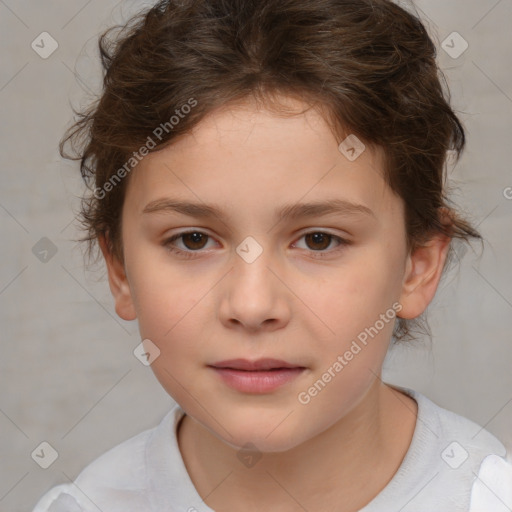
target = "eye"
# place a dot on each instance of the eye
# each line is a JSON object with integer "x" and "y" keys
{"x": 318, "y": 241}
{"x": 194, "y": 241}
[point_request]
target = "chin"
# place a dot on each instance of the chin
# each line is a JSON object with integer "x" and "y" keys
{"x": 268, "y": 435}
{"x": 263, "y": 444}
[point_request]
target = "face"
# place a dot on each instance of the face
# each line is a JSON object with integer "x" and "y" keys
{"x": 247, "y": 283}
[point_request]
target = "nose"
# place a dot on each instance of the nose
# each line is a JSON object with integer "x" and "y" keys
{"x": 254, "y": 295}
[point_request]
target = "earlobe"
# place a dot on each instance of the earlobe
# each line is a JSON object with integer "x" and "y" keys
{"x": 423, "y": 272}
{"x": 118, "y": 282}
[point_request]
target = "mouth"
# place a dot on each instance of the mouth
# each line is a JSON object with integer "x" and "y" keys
{"x": 265, "y": 364}
{"x": 257, "y": 377}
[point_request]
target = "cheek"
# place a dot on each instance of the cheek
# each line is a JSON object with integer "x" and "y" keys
{"x": 357, "y": 293}
{"x": 163, "y": 294}
{"x": 173, "y": 309}
{"x": 171, "y": 314}
{"x": 357, "y": 306}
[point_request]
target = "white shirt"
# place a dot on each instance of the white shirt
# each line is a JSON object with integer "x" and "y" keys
{"x": 452, "y": 465}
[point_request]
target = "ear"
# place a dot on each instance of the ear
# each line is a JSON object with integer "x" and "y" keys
{"x": 424, "y": 269}
{"x": 118, "y": 282}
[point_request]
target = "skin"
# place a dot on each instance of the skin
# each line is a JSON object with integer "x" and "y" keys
{"x": 343, "y": 447}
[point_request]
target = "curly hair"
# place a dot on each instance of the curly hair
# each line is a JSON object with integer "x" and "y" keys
{"x": 369, "y": 65}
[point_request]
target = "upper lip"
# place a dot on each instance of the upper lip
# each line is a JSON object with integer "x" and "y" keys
{"x": 258, "y": 364}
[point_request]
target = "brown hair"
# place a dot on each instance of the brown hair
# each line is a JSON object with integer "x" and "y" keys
{"x": 369, "y": 65}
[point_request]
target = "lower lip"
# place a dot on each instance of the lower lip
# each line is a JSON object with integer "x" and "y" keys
{"x": 258, "y": 381}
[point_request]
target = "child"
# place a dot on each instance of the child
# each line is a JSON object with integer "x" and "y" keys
{"x": 261, "y": 129}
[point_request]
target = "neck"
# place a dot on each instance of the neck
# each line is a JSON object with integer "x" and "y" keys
{"x": 345, "y": 466}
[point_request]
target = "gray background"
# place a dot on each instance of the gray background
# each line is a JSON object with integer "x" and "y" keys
{"x": 68, "y": 375}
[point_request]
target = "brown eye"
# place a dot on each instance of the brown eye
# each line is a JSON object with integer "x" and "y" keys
{"x": 194, "y": 240}
{"x": 318, "y": 240}
{"x": 317, "y": 243}
{"x": 192, "y": 243}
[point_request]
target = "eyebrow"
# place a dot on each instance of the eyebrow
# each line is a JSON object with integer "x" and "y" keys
{"x": 287, "y": 212}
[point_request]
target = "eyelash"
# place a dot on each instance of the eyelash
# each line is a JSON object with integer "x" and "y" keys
{"x": 190, "y": 254}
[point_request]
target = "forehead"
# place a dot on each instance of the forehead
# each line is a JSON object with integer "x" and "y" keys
{"x": 248, "y": 156}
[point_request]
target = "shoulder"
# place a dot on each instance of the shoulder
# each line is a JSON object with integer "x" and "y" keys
{"x": 492, "y": 488}
{"x": 114, "y": 481}
{"x": 460, "y": 439}
{"x": 454, "y": 458}
{"x": 59, "y": 499}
